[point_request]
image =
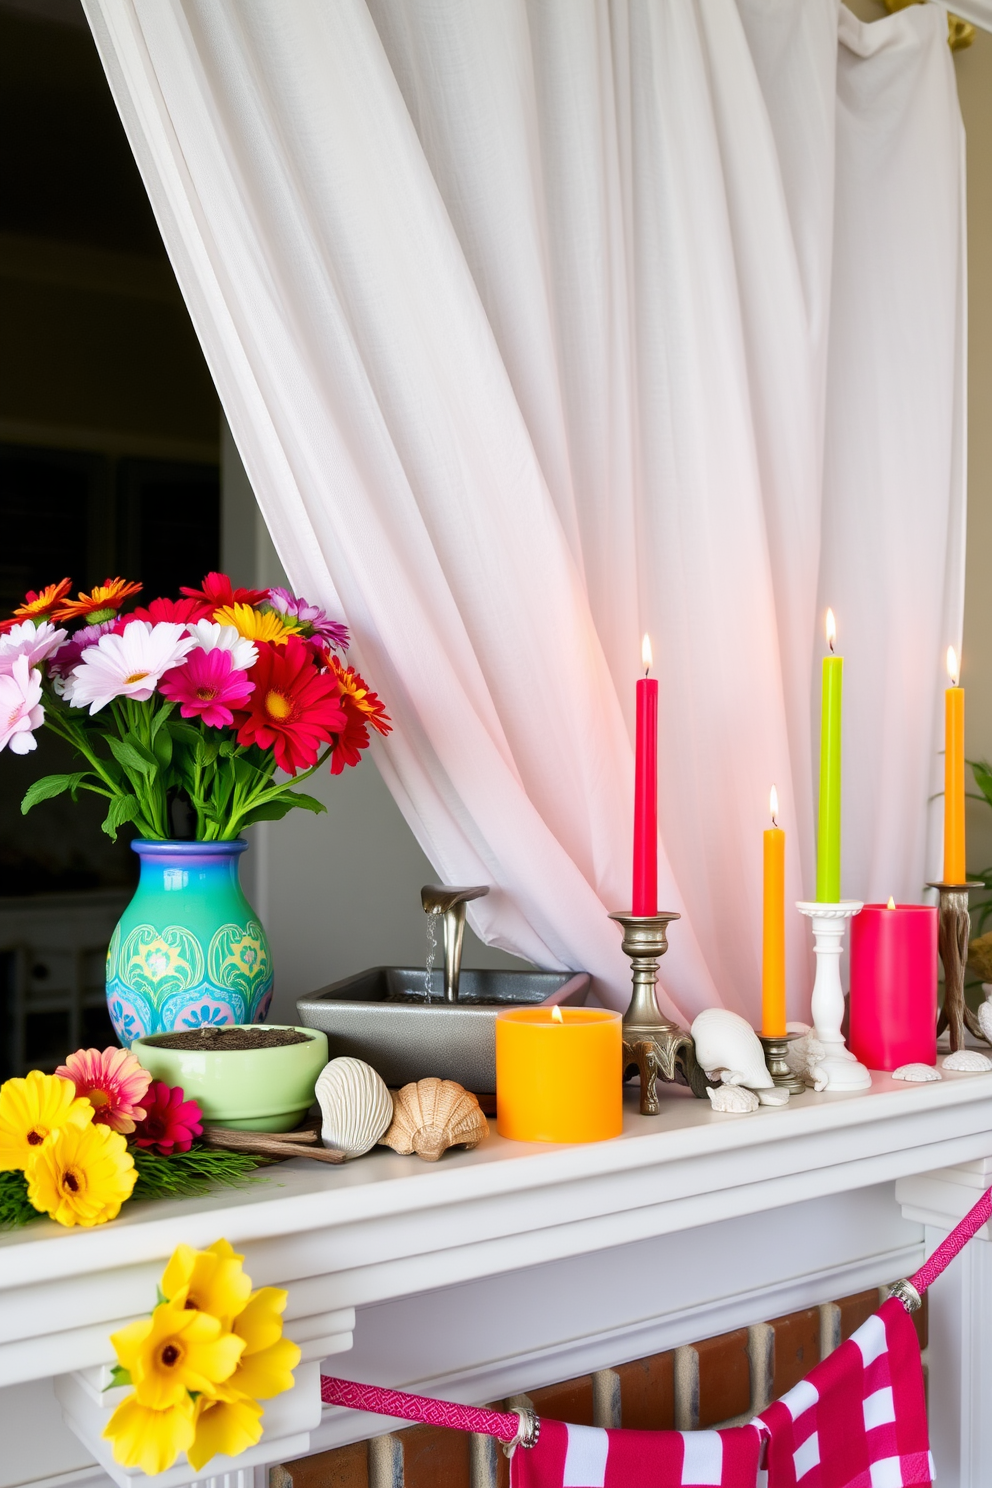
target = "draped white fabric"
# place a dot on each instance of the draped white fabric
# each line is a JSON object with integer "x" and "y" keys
{"x": 543, "y": 323}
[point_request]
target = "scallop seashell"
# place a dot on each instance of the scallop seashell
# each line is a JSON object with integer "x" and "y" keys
{"x": 968, "y": 1060}
{"x": 355, "y": 1104}
{"x": 432, "y": 1115}
{"x": 735, "y": 1098}
{"x": 726, "y": 1041}
{"x": 917, "y": 1073}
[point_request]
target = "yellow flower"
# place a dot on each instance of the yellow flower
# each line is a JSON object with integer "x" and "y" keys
{"x": 229, "y": 1426}
{"x": 30, "y": 1109}
{"x": 266, "y": 1366}
{"x": 209, "y": 1280}
{"x": 176, "y": 1350}
{"x": 257, "y": 625}
{"x": 150, "y": 1439}
{"x": 82, "y": 1174}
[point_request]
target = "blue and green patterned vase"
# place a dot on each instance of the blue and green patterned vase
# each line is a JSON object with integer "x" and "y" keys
{"x": 189, "y": 949}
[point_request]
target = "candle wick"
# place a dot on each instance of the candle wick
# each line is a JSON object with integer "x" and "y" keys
{"x": 774, "y": 820}
{"x": 830, "y": 643}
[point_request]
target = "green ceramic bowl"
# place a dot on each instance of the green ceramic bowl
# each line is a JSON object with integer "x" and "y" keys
{"x": 247, "y": 1089}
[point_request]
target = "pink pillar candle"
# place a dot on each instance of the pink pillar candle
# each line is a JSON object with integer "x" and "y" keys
{"x": 894, "y": 985}
{"x": 645, "y": 877}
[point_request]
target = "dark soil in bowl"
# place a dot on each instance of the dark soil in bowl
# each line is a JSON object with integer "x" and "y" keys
{"x": 219, "y": 1039}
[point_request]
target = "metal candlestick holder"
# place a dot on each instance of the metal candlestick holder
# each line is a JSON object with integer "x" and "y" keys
{"x": 838, "y": 1067}
{"x": 655, "y": 1045}
{"x": 952, "y": 942}
{"x": 775, "y": 1046}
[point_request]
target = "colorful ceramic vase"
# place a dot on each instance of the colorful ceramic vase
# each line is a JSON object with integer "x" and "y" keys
{"x": 189, "y": 949}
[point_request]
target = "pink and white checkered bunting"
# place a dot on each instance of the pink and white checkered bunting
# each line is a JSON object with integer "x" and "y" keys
{"x": 858, "y": 1420}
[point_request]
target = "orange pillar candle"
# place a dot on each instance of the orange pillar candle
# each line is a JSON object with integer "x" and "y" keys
{"x": 773, "y": 929}
{"x": 954, "y": 869}
{"x": 559, "y": 1074}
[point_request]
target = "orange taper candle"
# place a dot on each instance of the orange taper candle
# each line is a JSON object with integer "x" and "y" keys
{"x": 954, "y": 857}
{"x": 559, "y": 1074}
{"x": 773, "y": 928}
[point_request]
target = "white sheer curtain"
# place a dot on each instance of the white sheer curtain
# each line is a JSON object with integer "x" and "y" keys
{"x": 543, "y": 323}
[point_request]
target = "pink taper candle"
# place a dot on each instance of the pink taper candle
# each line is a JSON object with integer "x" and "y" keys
{"x": 645, "y": 895}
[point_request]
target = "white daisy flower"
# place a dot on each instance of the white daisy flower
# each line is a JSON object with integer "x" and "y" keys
{"x": 213, "y": 637}
{"x": 127, "y": 665}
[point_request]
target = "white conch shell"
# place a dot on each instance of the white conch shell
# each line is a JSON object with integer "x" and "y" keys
{"x": 985, "y": 1016}
{"x": 918, "y": 1073}
{"x": 432, "y": 1115}
{"x": 355, "y": 1104}
{"x": 969, "y": 1060}
{"x": 726, "y": 1042}
{"x": 735, "y": 1098}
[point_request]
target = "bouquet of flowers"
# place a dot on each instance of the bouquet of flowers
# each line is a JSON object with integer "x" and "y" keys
{"x": 197, "y": 699}
{"x": 199, "y": 1366}
{"x": 78, "y": 1144}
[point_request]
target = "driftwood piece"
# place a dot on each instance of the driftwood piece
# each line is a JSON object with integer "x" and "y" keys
{"x": 278, "y": 1145}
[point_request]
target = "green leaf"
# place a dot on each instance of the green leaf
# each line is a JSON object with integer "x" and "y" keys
{"x": 275, "y": 810}
{"x": 163, "y": 748}
{"x": 134, "y": 756}
{"x": 982, "y": 772}
{"x": 122, "y": 809}
{"x": 49, "y": 786}
{"x": 184, "y": 733}
{"x": 119, "y": 1376}
{"x": 160, "y": 716}
{"x": 228, "y": 748}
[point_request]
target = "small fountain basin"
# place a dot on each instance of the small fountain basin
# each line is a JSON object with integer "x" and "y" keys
{"x": 383, "y": 1016}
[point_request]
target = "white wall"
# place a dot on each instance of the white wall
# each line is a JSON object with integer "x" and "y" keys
{"x": 339, "y": 892}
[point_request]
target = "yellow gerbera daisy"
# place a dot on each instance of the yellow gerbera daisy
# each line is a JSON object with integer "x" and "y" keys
{"x": 209, "y": 1280}
{"x": 229, "y": 1426}
{"x": 30, "y": 1109}
{"x": 174, "y": 1351}
{"x": 257, "y": 625}
{"x": 81, "y": 1174}
{"x": 150, "y": 1439}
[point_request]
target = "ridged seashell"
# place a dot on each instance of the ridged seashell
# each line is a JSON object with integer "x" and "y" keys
{"x": 969, "y": 1060}
{"x": 726, "y": 1041}
{"x": 917, "y": 1073}
{"x": 355, "y": 1104}
{"x": 735, "y": 1098}
{"x": 985, "y": 1017}
{"x": 804, "y": 1053}
{"x": 429, "y": 1116}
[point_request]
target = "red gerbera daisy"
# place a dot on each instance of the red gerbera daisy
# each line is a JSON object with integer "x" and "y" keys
{"x": 179, "y": 611}
{"x": 216, "y": 590}
{"x": 294, "y": 708}
{"x": 361, "y": 708}
{"x": 37, "y": 604}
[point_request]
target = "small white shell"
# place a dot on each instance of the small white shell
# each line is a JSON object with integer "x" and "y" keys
{"x": 969, "y": 1060}
{"x": 776, "y": 1096}
{"x": 355, "y": 1104}
{"x": 733, "y": 1098}
{"x": 804, "y": 1053}
{"x": 917, "y": 1073}
{"x": 985, "y": 1017}
{"x": 726, "y": 1041}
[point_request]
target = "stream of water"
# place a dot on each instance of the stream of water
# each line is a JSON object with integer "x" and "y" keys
{"x": 431, "y": 952}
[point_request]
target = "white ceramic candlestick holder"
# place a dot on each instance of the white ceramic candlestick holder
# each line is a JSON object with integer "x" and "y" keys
{"x": 838, "y": 1065}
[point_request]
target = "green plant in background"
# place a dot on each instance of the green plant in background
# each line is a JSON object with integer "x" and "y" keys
{"x": 981, "y": 909}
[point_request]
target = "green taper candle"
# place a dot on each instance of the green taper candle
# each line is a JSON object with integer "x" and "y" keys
{"x": 828, "y": 834}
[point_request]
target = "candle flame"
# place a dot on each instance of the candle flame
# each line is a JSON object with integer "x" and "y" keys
{"x": 891, "y": 904}
{"x": 773, "y": 805}
{"x": 831, "y": 628}
{"x": 952, "y": 665}
{"x": 556, "y": 1016}
{"x": 647, "y": 656}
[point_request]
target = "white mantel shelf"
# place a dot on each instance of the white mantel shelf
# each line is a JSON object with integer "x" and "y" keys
{"x": 791, "y": 1206}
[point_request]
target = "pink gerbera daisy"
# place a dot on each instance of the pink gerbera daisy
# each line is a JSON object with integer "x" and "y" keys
{"x": 207, "y": 686}
{"x": 172, "y": 1121}
{"x": 112, "y": 1081}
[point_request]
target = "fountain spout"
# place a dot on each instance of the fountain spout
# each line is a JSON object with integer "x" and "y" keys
{"x": 450, "y": 900}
